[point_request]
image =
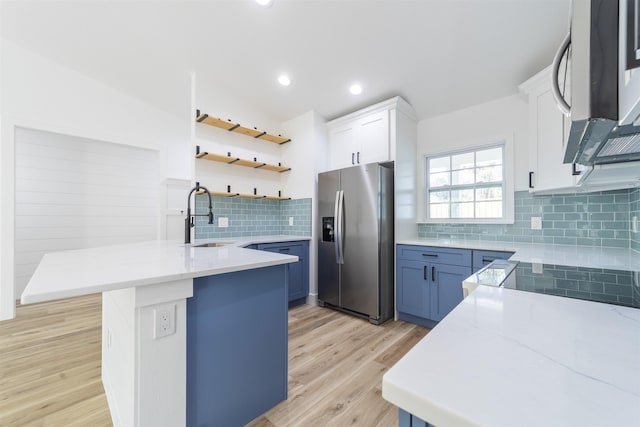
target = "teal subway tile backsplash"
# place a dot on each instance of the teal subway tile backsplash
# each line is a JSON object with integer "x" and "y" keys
{"x": 300, "y": 211}
{"x": 634, "y": 211}
{"x": 594, "y": 219}
{"x": 253, "y": 217}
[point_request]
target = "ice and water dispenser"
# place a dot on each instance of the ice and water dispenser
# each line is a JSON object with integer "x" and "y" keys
{"x": 327, "y": 229}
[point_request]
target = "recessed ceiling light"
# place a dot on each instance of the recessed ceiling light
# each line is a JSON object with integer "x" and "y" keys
{"x": 265, "y": 3}
{"x": 355, "y": 89}
{"x": 284, "y": 80}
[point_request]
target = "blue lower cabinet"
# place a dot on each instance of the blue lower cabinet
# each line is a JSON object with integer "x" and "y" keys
{"x": 236, "y": 346}
{"x": 298, "y": 272}
{"x": 405, "y": 419}
{"x": 427, "y": 288}
{"x": 446, "y": 289}
{"x": 413, "y": 294}
{"x": 251, "y": 247}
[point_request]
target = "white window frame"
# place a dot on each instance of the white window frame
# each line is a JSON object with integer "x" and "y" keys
{"x": 507, "y": 184}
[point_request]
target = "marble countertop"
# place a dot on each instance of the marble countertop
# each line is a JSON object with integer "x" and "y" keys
{"x": 85, "y": 271}
{"x": 508, "y": 358}
{"x": 242, "y": 242}
{"x": 577, "y": 256}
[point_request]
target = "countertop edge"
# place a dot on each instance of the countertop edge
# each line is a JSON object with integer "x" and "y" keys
{"x": 29, "y": 296}
{"x": 611, "y": 258}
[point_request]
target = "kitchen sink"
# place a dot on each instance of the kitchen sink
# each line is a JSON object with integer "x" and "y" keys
{"x": 211, "y": 244}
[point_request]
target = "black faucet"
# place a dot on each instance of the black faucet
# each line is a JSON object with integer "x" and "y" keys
{"x": 188, "y": 221}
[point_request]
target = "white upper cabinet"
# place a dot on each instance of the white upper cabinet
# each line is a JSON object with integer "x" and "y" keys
{"x": 361, "y": 137}
{"x": 342, "y": 146}
{"x": 372, "y": 133}
{"x": 548, "y": 130}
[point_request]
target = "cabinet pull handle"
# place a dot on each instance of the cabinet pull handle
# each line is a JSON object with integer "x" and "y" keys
{"x": 575, "y": 171}
{"x": 431, "y": 255}
{"x": 425, "y": 272}
{"x": 433, "y": 273}
{"x": 352, "y": 162}
{"x": 358, "y": 157}
{"x": 530, "y": 180}
{"x": 488, "y": 259}
{"x": 284, "y": 250}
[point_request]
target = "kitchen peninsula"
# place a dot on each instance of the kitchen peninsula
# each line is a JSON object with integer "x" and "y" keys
{"x": 181, "y": 324}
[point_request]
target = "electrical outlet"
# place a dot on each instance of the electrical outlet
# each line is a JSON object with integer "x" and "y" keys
{"x": 536, "y": 223}
{"x": 634, "y": 224}
{"x": 164, "y": 321}
{"x": 290, "y": 221}
{"x": 536, "y": 268}
{"x": 223, "y": 222}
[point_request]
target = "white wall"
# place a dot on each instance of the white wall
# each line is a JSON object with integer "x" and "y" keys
{"x": 212, "y": 98}
{"x": 504, "y": 118}
{"x": 306, "y": 154}
{"x": 40, "y": 94}
{"x": 73, "y": 193}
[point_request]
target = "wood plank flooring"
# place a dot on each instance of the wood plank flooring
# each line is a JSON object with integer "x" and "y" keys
{"x": 50, "y": 367}
{"x": 336, "y": 363}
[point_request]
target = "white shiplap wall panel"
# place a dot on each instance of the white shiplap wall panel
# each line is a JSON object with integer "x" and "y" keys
{"x": 74, "y": 193}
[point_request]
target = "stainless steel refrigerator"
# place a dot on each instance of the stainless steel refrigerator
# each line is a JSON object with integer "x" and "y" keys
{"x": 355, "y": 242}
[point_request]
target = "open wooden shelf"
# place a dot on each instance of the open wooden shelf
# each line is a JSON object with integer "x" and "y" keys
{"x": 236, "y": 127}
{"x": 244, "y": 195}
{"x": 230, "y": 160}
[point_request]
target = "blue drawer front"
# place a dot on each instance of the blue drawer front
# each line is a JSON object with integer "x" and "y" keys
{"x": 451, "y": 256}
{"x": 482, "y": 258}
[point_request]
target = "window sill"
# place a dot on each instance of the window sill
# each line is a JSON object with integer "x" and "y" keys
{"x": 467, "y": 221}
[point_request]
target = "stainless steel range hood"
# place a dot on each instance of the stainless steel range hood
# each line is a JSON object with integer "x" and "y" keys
{"x": 602, "y": 86}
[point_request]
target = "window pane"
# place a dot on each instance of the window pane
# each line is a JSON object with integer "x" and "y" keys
{"x": 462, "y": 195}
{"x": 466, "y": 185}
{"x": 439, "y": 196}
{"x": 489, "y": 193}
{"x": 462, "y": 210}
{"x": 462, "y": 161}
{"x": 492, "y": 156}
{"x": 439, "y": 164}
{"x": 489, "y": 209}
{"x": 489, "y": 174}
{"x": 439, "y": 210}
{"x": 438, "y": 179}
{"x": 462, "y": 177}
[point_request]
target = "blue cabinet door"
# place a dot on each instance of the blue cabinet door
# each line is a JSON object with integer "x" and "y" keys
{"x": 446, "y": 288}
{"x": 298, "y": 272}
{"x": 412, "y": 293}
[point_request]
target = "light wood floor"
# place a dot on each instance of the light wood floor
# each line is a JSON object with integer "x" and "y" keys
{"x": 50, "y": 367}
{"x": 336, "y": 363}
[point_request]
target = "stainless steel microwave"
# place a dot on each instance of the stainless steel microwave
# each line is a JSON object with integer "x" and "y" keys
{"x": 603, "y": 53}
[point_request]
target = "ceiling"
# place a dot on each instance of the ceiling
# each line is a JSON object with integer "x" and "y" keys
{"x": 440, "y": 55}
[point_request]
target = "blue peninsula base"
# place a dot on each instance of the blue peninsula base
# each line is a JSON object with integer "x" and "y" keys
{"x": 405, "y": 419}
{"x": 236, "y": 346}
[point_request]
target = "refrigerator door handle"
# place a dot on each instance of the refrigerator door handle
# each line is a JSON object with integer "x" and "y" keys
{"x": 340, "y": 227}
{"x": 338, "y": 223}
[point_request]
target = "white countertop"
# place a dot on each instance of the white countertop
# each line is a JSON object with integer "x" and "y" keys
{"x": 85, "y": 271}
{"x": 508, "y": 358}
{"x": 254, "y": 240}
{"x": 577, "y": 256}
